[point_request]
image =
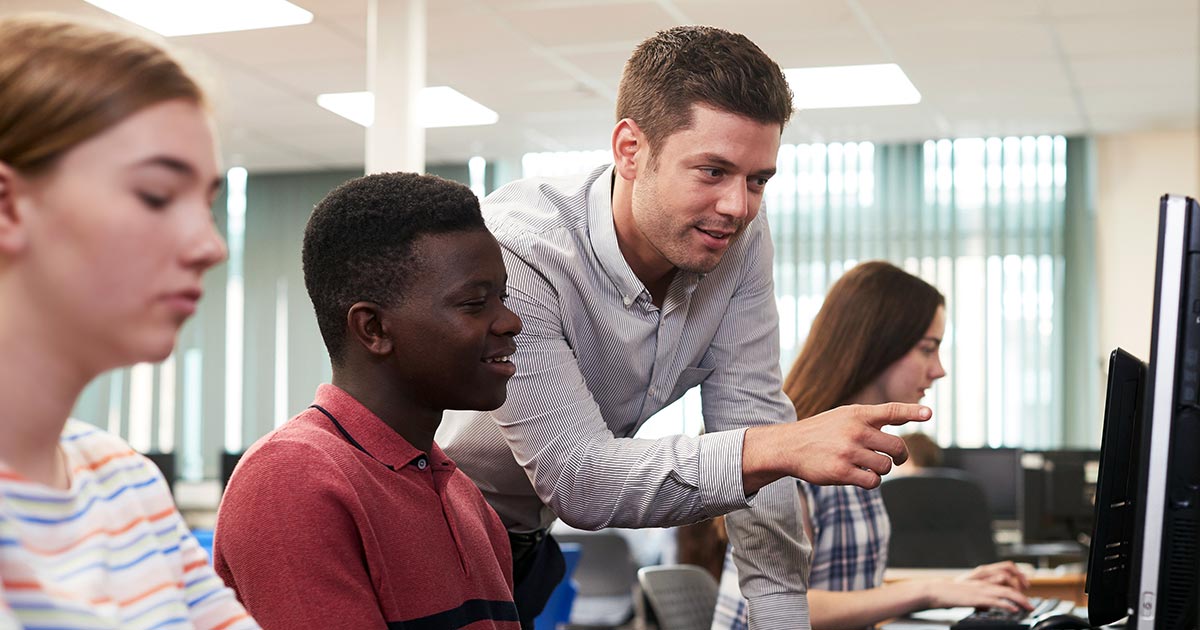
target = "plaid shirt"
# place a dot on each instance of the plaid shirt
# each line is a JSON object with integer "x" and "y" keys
{"x": 850, "y": 542}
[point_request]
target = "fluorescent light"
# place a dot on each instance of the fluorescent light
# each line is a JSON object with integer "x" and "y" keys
{"x": 851, "y": 86}
{"x": 193, "y": 17}
{"x": 437, "y": 106}
{"x": 356, "y": 107}
{"x": 442, "y": 106}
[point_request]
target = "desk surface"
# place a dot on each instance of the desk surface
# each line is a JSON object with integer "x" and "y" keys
{"x": 1042, "y": 582}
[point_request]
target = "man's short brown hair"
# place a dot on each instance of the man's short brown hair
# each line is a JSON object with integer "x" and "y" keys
{"x": 687, "y": 65}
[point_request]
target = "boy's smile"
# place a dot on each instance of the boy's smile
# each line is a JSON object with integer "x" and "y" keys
{"x": 454, "y": 335}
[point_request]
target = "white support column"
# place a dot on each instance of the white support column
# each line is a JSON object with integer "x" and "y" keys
{"x": 396, "y": 36}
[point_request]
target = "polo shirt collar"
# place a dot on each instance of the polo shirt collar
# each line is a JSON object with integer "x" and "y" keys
{"x": 376, "y": 437}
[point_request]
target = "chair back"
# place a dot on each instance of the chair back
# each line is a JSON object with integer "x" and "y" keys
{"x": 938, "y": 521}
{"x": 605, "y": 578}
{"x": 679, "y": 596}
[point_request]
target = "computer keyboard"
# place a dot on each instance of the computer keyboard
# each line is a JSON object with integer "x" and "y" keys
{"x": 1001, "y": 619}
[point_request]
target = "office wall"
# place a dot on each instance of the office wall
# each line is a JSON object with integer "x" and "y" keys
{"x": 1132, "y": 171}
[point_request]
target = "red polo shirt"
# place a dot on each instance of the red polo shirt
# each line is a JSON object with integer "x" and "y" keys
{"x": 316, "y": 532}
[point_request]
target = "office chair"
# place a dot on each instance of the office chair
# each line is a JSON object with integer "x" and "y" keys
{"x": 605, "y": 578}
{"x": 679, "y": 596}
{"x": 229, "y": 461}
{"x": 939, "y": 520}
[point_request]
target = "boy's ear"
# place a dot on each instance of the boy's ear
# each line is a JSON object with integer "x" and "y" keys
{"x": 12, "y": 224}
{"x": 629, "y": 148}
{"x": 364, "y": 321}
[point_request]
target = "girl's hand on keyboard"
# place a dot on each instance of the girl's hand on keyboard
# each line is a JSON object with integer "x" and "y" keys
{"x": 1005, "y": 573}
{"x": 977, "y": 593}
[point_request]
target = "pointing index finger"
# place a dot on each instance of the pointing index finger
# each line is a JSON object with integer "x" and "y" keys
{"x": 897, "y": 414}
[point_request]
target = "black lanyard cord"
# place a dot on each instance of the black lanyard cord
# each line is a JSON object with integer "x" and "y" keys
{"x": 347, "y": 435}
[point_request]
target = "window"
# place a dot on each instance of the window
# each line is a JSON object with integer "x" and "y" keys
{"x": 981, "y": 219}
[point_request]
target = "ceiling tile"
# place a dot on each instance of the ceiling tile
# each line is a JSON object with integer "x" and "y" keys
{"x": 1134, "y": 73}
{"x": 551, "y": 67}
{"x": 564, "y": 24}
{"x": 1140, "y": 33}
{"x": 975, "y": 40}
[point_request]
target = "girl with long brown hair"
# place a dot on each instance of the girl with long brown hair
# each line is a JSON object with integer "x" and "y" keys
{"x": 876, "y": 339}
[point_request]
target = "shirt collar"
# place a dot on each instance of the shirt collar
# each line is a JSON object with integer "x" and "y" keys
{"x": 376, "y": 437}
{"x": 603, "y": 234}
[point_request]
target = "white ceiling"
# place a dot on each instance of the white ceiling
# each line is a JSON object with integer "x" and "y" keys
{"x": 550, "y": 68}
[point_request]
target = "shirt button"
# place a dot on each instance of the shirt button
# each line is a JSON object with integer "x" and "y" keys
{"x": 652, "y": 391}
{"x": 422, "y": 463}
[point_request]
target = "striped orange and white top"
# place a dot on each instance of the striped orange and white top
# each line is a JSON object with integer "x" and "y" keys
{"x": 109, "y": 552}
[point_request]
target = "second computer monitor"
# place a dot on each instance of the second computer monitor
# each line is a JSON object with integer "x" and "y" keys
{"x": 1059, "y": 495}
{"x": 1111, "y": 558}
{"x": 229, "y": 461}
{"x": 998, "y": 470}
{"x": 166, "y": 465}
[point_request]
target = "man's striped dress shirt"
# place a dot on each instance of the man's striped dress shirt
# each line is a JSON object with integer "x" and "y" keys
{"x": 596, "y": 358}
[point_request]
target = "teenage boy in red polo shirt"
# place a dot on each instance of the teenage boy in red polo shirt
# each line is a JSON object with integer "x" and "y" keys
{"x": 349, "y": 515}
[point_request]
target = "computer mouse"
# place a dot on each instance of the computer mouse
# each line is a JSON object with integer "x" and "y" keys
{"x": 1061, "y": 622}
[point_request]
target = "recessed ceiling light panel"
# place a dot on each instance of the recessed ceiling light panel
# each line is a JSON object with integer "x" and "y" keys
{"x": 357, "y": 107}
{"x": 193, "y": 17}
{"x": 438, "y": 106}
{"x": 851, "y": 86}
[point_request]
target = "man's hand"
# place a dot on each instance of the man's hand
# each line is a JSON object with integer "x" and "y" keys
{"x": 841, "y": 446}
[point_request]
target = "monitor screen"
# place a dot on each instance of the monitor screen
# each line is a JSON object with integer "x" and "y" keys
{"x": 1058, "y": 495}
{"x": 1110, "y": 564}
{"x": 998, "y": 470}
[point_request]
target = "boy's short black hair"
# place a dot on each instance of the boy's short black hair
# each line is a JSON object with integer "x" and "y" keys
{"x": 358, "y": 244}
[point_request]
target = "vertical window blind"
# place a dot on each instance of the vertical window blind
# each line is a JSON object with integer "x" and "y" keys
{"x": 982, "y": 219}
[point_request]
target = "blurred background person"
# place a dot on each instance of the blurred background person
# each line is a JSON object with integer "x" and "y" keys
{"x": 923, "y": 454}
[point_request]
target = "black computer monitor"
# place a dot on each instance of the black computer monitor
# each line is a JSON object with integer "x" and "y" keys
{"x": 1058, "y": 501}
{"x": 166, "y": 465}
{"x": 1110, "y": 563}
{"x": 1165, "y": 556}
{"x": 998, "y": 470}
{"x": 229, "y": 461}
{"x": 1110, "y": 567}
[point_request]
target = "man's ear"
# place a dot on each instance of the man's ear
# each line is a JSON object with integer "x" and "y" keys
{"x": 364, "y": 321}
{"x": 629, "y": 148}
{"x": 12, "y": 224}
